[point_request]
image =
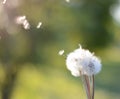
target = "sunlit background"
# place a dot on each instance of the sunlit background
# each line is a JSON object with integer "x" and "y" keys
{"x": 32, "y": 32}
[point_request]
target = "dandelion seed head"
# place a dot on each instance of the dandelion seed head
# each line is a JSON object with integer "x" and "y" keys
{"x": 61, "y": 52}
{"x": 84, "y": 62}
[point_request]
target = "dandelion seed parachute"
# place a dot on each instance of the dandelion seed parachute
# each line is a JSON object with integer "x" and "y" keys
{"x": 61, "y": 52}
{"x": 39, "y": 25}
{"x": 23, "y": 21}
{"x": 67, "y": 1}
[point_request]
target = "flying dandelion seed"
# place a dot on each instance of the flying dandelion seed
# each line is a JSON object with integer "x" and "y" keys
{"x": 61, "y": 52}
{"x": 39, "y": 25}
{"x": 4, "y": 1}
{"x": 20, "y": 19}
{"x": 23, "y": 21}
{"x": 26, "y": 25}
{"x": 67, "y": 1}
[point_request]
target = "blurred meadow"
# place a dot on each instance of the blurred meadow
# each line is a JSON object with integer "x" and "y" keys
{"x": 30, "y": 66}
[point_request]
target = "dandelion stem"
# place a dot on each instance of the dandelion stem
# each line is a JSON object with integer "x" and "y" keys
{"x": 86, "y": 85}
{"x": 93, "y": 87}
{"x": 88, "y": 82}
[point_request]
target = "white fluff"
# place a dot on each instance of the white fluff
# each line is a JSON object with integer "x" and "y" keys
{"x": 23, "y": 21}
{"x": 61, "y": 52}
{"x": 39, "y": 25}
{"x": 83, "y": 62}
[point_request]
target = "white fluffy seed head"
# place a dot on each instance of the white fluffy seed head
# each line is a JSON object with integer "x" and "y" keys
{"x": 83, "y": 62}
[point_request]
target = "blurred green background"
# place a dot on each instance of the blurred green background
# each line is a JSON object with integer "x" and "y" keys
{"x": 30, "y": 67}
